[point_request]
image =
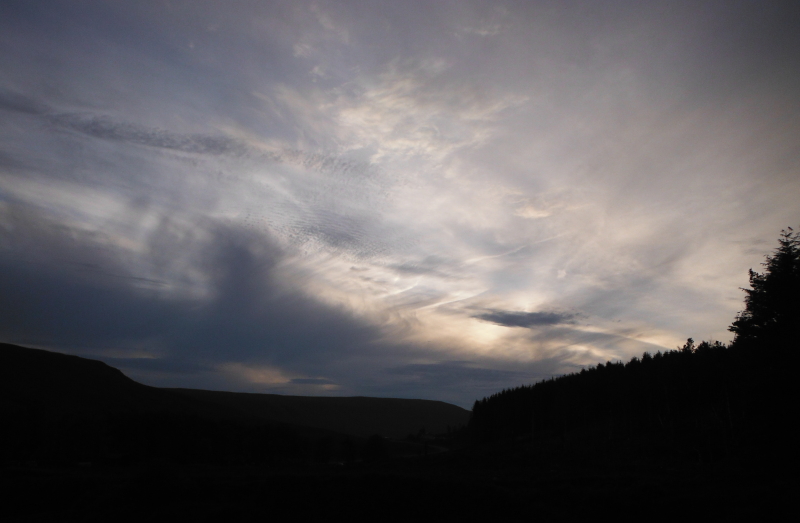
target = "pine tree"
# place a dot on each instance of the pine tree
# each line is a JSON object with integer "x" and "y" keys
{"x": 772, "y": 306}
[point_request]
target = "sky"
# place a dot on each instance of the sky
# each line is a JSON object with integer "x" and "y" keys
{"x": 431, "y": 200}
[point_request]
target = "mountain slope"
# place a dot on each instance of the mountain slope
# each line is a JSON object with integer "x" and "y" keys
{"x": 57, "y": 385}
{"x": 361, "y": 416}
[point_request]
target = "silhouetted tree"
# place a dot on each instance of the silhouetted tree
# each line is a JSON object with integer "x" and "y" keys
{"x": 768, "y": 340}
{"x": 772, "y": 305}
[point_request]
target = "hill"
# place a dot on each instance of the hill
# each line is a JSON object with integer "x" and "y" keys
{"x": 362, "y": 416}
{"x": 56, "y": 385}
{"x": 53, "y": 386}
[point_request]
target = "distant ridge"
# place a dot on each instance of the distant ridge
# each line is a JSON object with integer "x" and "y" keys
{"x": 57, "y": 385}
{"x": 361, "y": 416}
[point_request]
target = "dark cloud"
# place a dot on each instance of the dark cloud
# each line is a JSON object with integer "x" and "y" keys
{"x": 13, "y": 101}
{"x": 527, "y": 319}
{"x": 47, "y": 306}
{"x": 249, "y": 314}
{"x": 106, "y": 128}
{"x": 9, "y": 163}
{"x": 170, "y": 365}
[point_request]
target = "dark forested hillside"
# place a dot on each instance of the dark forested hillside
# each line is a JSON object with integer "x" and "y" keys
{"x": 686, "y": 401}
{"x": 700, "y": 403}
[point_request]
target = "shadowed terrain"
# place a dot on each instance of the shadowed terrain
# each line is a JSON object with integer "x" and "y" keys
{"x": 391, "y": 417}
{"x": 57, "y": 385}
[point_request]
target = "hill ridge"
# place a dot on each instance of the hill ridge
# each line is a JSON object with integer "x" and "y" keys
{"x": 59, "y": 384}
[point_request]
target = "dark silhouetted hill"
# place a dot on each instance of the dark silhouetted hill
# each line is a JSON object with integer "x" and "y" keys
{"x": 60, "y": 410}
{"x": 56, "y": 385}
{"x": 361, "y": 416}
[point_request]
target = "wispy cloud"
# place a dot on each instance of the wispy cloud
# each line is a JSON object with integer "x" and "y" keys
{"x": 106, "y": 128}
{"x": 13, "y": 101}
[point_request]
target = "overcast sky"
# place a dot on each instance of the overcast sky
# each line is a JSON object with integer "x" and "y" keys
{"x": 412, "y": 199}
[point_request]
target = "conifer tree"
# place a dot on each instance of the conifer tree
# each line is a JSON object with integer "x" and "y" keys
{"x": 772, "y": 306}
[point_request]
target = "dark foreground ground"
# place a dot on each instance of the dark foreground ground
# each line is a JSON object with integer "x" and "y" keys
{"x": 464, "y": 485}
{"x": 79, "y": 441}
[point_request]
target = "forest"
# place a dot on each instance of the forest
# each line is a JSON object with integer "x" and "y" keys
{"x": 700, "y": 403}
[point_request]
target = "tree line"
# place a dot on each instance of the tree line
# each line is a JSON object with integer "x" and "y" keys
{"x": 702, "y": 402}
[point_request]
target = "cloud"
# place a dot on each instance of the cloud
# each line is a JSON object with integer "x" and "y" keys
{"x": 433, "y": 265}
{"x": 250, "y": 326}
{"x": 528, "y": 319}
{"x": 163, "y": 365}
{"x": 106, "y": 128}
{"x": 13, "y": 101}
{"x": 411, "y": 110}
